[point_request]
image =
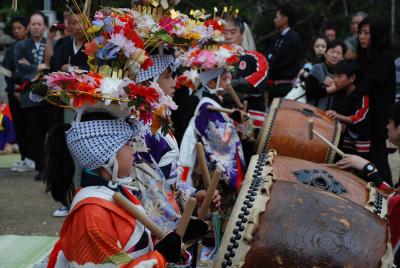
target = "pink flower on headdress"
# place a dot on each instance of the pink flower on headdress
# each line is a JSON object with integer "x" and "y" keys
{"x": 58, "y": 78}
{"x": 206, "y": 59}
{"x": 122, "y": 43}
{"x": 167, "y": 23}
{"x": 99, "y": 15}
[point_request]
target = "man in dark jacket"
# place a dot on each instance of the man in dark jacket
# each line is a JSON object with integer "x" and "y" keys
{"x": 69, "y": 52}
{"x": 285, "y": 56}
{"x": 19, "y": 32}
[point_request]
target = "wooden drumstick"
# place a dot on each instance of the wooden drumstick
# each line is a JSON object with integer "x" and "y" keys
{"x": 235, "y": 97}
{"x": 244, "y": 109}
{"x": 219, "y": 109}
{"x": 312, "y": 132}
{"x": 203, "y": 164}
{"x": 187, "y": 214}
{"x": 131, "y": 208}
{"x": 209, "y": 195}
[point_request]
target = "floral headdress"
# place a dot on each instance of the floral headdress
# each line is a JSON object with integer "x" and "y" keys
{"x": 189, "y": 79}
{"x": 159, "y": 24}
{"x": 211, "y": 57}
{"x": 116, "y": 52}
{"x": 216, "y": 21}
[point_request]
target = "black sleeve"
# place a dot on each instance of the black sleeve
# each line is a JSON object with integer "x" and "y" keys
{"x": 57, "y": 60}
{"x": 288, "y": 52}
{"x": 375, "y": 178}
{"x": 376, "y": 73}
{"x": 314, "y": 89}
{"x": 9, "y": 64}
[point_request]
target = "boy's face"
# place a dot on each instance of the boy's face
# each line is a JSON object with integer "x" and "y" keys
{"x": 19, "y": 31}
{"x": 393, "y": 132}
{"x": 223, "y": 82}
{"x": 343, "y": 81}
{"x": 281, "y": 21}
{"x": 76, "y": 26}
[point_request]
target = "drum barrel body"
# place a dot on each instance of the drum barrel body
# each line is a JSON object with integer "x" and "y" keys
{"x": 285, "y": 130}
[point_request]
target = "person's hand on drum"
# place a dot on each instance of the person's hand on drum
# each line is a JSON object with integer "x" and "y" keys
{"x": 352, "y": 161}
{"x": 200, "y": 195}
{"x": 331, "y": 114}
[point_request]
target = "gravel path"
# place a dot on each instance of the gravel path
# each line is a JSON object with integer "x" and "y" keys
{"x": 25, "y": 208}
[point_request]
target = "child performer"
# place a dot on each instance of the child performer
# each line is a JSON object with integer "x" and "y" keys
{"x": 215, "y": 130}
{"x": 351, "y": 109}
{"x": 163, "y": 146}
{"x": 97, "y": 231}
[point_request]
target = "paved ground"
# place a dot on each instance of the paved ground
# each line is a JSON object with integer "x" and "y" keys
{"x": 25, "y": 208}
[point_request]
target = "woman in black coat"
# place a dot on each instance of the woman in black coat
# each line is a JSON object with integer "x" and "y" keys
{"x": 377, "y": 78}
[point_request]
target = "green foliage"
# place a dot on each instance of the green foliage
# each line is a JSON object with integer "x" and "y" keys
{"x": 313, "y": 15}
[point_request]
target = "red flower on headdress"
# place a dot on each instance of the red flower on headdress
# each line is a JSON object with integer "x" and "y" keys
{"x": 147, "y": 63}
{"x": 143, "y": 99}
{"x": 148, "y": 94}
{"x": 216, "y": 25}
{"x": 84, "y": 95}
{"x": 184, "y": 81}
{"x": 91, "y": 48}
{"x": 232, "y": 60}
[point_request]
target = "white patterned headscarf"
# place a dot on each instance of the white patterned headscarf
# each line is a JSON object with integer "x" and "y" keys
{"x": 95, "y": 144}
{"x": 208, "y": 75}
{"x": 160, "y": 64}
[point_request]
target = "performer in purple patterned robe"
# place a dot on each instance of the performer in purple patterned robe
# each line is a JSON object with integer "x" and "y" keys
{"x": 163, "y": 147}
{"x": 216, "y": 131}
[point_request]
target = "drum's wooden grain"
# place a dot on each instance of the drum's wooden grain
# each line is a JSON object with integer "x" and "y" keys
{"x": 303, "y": 227}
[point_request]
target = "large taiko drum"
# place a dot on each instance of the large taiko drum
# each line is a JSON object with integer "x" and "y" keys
{"x": 286, "y": 224}
{"x": 285, "y": 129}
{"x": 329, "y": 178}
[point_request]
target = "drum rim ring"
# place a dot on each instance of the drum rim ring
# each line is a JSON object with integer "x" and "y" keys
{"x": 264, "y": 139}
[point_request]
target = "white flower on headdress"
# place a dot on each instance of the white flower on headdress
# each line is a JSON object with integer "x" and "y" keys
{"x": 166, "y": 101}
{"x": 122, "y": 43}
{"x": 113, "y": 88}
{"x": 144, "y": 23}
{"x": 222, "y": 55}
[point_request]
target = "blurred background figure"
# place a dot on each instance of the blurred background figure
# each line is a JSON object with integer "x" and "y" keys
{"x": 351, "y": 41}
{"x": 19, "y": 30}
{"x": 330, "y": 33}
{"x": 285, "y": 56}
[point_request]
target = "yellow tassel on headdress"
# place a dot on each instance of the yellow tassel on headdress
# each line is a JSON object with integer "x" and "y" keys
{"x": 14, "y": 5}
{"x": 86, "y": 7}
